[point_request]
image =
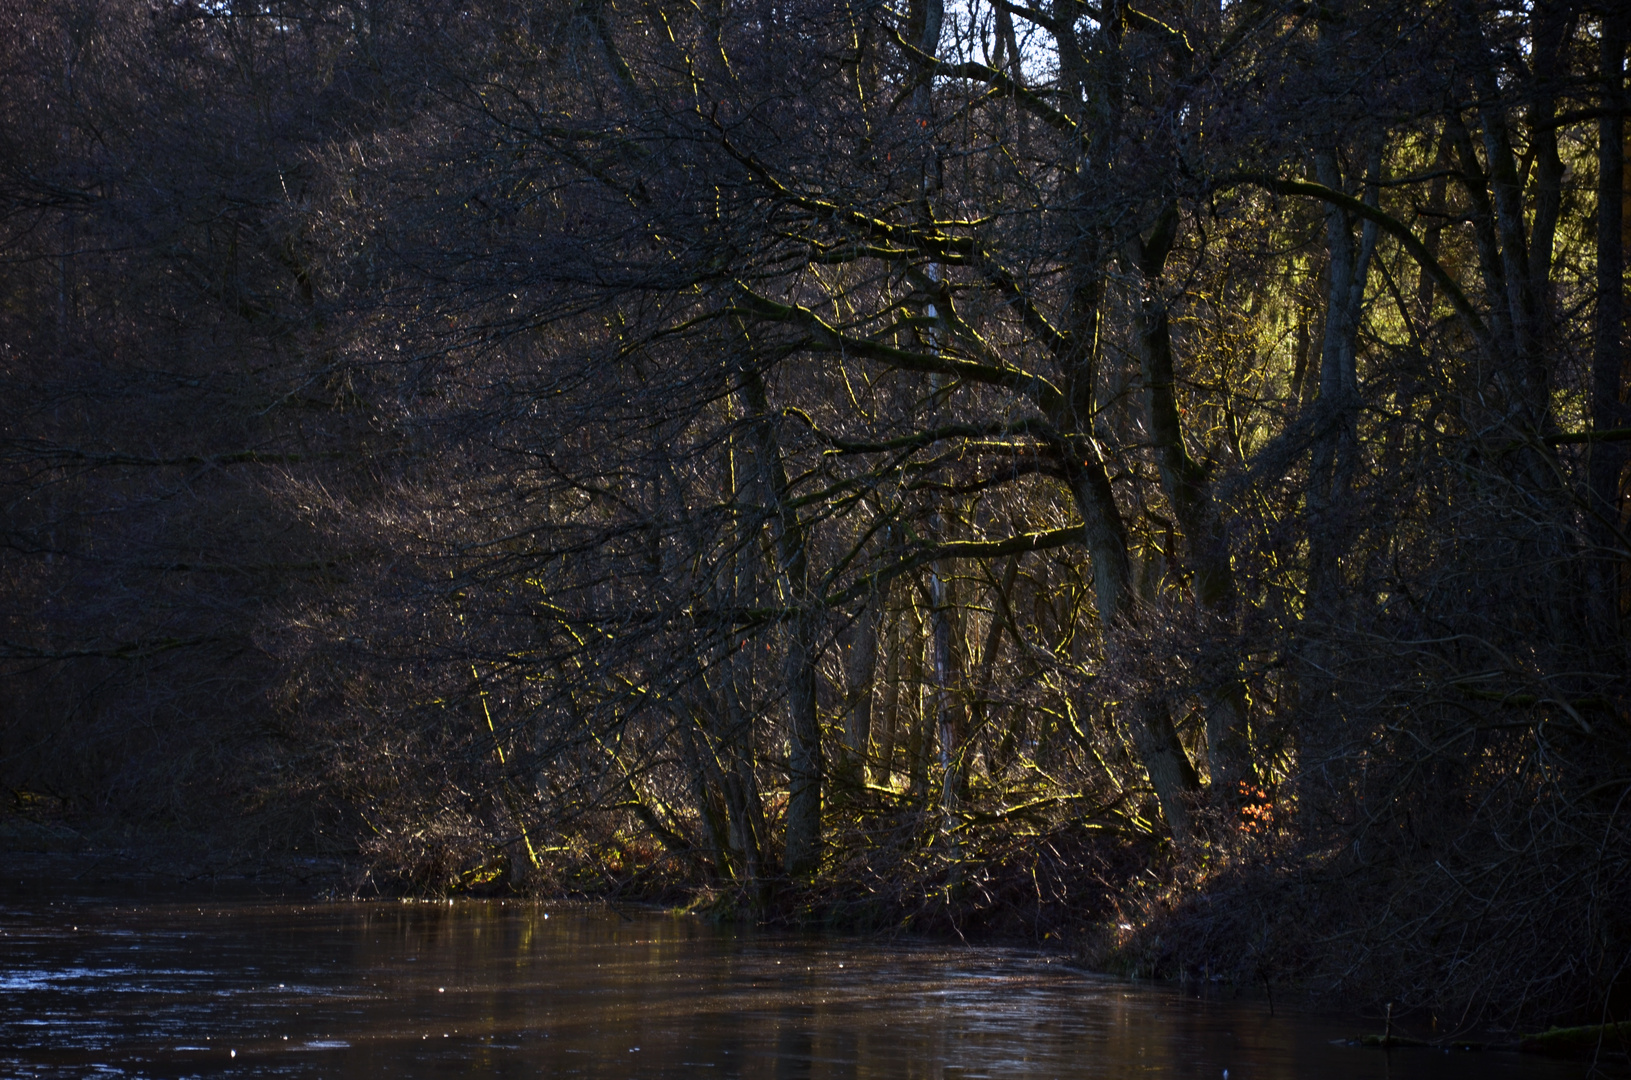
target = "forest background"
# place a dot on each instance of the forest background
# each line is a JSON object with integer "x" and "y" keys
{"x": 1151, "y": 477}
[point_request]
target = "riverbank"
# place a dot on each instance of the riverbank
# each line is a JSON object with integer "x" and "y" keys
{"x": 1298, "y": 927}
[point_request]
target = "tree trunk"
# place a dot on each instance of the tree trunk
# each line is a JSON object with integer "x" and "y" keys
{"x": 1171, "y": 774}
{"x": 1336, "y": 411}
{"x": 883, "y": 766}
{"x": 1607, "y": 459}
{"x": 979, "y": 704}
{"x": 917, "y": 738}
{"x": 948, "y": 712}
{"x": 1172, "y": 777}
{"x": 1189, "y": 492}
{"x": 802, "y": 853}
{"x": 861, "y": 667}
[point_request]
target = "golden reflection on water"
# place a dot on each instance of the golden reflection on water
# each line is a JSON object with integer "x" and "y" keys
{"x": 509, "y": 989}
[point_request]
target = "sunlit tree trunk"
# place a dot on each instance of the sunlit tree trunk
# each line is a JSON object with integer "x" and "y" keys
{"x": 861, "y": 668}
{"x": 883, "y": 756}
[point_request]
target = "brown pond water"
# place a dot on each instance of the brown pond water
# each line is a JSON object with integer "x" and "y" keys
{"x": 167, "y": 987}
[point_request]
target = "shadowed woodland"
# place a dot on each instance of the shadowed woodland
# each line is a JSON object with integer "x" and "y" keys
{"x": 1147, "y": 477}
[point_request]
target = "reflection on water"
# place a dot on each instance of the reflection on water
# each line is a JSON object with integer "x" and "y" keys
{"x": 253, "y": 988}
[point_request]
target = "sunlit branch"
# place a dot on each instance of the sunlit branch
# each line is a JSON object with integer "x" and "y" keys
{"x": 823, "y": 337}
{"x": 1388, "y": 224}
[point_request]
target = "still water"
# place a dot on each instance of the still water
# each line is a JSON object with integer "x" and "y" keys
{"x": 244, "y": 987}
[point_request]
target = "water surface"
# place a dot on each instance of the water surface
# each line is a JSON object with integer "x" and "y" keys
{"x": 154, "y": 987}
